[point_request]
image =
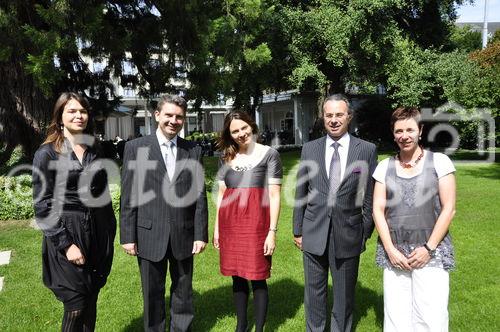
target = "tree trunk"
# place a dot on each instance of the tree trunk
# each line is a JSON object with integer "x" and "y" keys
{"x": 24, "y": 110}
{"x": 257, "y": 100}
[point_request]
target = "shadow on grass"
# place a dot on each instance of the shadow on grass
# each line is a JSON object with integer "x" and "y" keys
{"x": 135, "y": 325}
{"x": 289, "y": 159}
{"x": 367, "y": 299}
{"x": 487, "y": 172}
{"x": 474, "y": 155}
{"x": 211, "y": 306}
{"x": 285, "y": 299}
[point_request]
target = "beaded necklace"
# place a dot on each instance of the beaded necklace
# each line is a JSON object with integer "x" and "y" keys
{"x": 410, "y": 164}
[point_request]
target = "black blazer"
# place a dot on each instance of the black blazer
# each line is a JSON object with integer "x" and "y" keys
{"x": 350, "y": 210}
{"x": 155, "y": 210}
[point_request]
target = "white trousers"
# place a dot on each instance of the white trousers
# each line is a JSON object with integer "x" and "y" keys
{"x": 416, "y": 301}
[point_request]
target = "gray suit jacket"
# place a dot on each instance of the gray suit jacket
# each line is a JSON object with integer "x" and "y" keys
{"x": 349, "y": 211}
{"x": 177, "y": 210}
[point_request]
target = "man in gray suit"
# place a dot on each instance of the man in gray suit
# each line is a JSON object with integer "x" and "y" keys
{"x": 332, "y": 217}
{"x": 164, "y": 219}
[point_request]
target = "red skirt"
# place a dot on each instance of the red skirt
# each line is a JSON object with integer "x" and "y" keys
{"x": 243, "y": 228}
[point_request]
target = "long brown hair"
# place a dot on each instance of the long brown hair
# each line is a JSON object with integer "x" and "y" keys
{"x": 55, "y": 132}
{"x": 226, "y": 143}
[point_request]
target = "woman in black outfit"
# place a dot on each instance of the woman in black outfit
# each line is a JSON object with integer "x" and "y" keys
{"x": 73, "y": 208}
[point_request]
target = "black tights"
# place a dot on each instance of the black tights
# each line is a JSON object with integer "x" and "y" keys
{"x": 260, "y": 301}
{"x": 80, "y": 320}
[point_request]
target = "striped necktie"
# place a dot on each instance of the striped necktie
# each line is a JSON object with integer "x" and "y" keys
{"x": 334, "y": 178}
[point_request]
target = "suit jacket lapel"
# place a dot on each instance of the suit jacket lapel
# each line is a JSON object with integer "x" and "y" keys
{"x": 352, "y": 156}
{"x": 181, "y": 158}
{"x": 321, "y": 158}
{"x": 155, "y": 152}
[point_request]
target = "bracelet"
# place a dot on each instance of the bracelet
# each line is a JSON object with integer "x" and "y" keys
{"x": 432, "y": 252}
{"x": 427, "y": 247}
{"x": 273, "y": 230}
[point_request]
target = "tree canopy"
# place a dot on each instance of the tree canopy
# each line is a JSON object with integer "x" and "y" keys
{"x": 335, "y": 44}
{"x": 230, "y": 49}
{"x": 39, "y": 58}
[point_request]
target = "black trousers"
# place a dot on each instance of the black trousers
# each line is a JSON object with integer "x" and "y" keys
{"x": 153, "y": 276}
{"x": 344, "y": 276}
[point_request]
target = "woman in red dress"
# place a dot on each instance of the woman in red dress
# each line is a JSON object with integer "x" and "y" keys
{"x": 248, "y": 208}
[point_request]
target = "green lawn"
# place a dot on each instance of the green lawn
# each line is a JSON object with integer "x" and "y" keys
{"x": 26, "y": 305}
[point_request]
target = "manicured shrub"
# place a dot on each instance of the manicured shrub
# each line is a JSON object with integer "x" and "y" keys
{"x": 16, "y": 200}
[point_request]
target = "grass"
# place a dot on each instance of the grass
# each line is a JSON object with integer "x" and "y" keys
{"x": 26, "y": 305}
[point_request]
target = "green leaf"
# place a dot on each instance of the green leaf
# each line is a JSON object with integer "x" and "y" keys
{"x": 258, "y": 56}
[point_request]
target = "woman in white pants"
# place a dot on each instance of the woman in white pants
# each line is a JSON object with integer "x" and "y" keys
{"x": 413, "y": 205}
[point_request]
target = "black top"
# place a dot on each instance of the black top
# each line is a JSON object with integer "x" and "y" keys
{"x": 56, "y": 181}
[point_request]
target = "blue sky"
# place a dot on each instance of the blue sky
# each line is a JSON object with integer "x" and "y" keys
{"x": 475, "y": 12}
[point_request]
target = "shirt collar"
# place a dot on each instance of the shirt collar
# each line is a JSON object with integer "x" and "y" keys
{"x": 163, "y": 140}
{"x": 343, "y": 141}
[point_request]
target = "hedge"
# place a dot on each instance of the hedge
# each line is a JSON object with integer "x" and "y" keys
{"x": 16, "y": 198}
{"x": 16, "y": 202}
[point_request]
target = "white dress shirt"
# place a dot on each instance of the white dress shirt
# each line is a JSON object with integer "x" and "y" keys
{"x": 343, "y": 149}
{"x": 164, "y": 147}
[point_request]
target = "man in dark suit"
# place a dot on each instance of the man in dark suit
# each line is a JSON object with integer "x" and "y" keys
{"x": 332, "y": 216}
{"x": 164, "y": 217}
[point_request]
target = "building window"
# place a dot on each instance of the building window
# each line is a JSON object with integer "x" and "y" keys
{"x": 128, "y": 92}
{"x": 381, "y": 90}
{"x": 99, "y": 66}
{"x": 128, "y": 68}
{"x": 286, "y": 124}
{"x": 180, "y": 70}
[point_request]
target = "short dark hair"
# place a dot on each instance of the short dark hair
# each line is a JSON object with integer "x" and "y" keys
{"x": 405, "y": 113}
{"x": 338, "y": 97}
{"x": 172, "y": 99}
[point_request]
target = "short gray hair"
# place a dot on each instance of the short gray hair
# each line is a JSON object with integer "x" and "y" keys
{"x": 338, "y": 97}
{"x": 172, "y": 99}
